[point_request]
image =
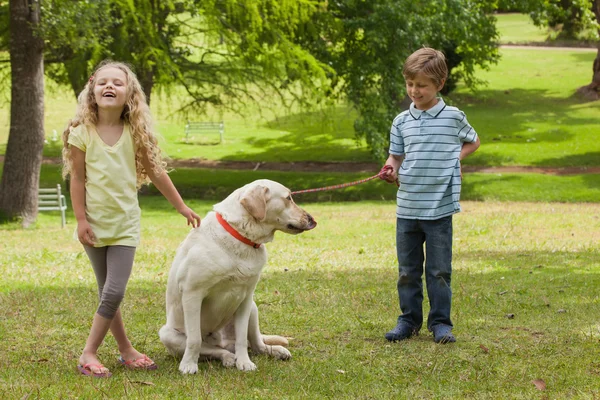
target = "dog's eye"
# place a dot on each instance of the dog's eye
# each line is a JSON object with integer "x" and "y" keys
{"x": 289, "y": 197}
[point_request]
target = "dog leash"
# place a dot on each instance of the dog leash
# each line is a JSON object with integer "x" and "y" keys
{"x": 343, "y": 185}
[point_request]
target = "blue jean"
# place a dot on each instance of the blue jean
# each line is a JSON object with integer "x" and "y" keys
{"x": 411, "y": 235}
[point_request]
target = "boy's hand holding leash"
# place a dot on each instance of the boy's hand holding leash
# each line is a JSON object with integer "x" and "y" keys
{"x": 389, "y": 174}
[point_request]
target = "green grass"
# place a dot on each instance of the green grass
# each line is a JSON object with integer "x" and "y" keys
{"x": 214, "y": 185}
{"x": 517, "y": 28}
{"x": 333, "y": 292}
{"x": 527, "y": 114}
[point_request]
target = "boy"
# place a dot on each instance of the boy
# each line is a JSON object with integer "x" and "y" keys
{"x": 427, "y": 142}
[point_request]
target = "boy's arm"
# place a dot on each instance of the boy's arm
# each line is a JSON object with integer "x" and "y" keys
{"x": 468, "y": 148}
{"x": 165, "y": 185}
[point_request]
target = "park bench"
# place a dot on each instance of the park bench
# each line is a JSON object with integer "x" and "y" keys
{"x": 51, "y": 199}
{"x": 204, "y": 128}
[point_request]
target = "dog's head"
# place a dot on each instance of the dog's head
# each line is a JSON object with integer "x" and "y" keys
{"x": 262, "y": 207}
{"x": 271, "y": 203}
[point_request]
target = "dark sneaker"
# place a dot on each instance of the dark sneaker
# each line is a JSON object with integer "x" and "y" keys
{"x": 402, "y": 331}
{"x": 443, "y": 334}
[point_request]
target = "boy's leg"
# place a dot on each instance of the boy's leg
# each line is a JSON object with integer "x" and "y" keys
{"x": 409, "y": 247}
{"x": 438, "y": 271}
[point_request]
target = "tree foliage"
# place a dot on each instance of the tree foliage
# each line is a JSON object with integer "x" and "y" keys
{"x": 226, "y": 52}
{"x": 222, "y": 52}
{"x": 569, "y": 18}
{"x": 367, "y": 41}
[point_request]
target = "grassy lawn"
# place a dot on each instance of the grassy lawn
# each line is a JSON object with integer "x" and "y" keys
{"x": 526, "y": 258}
{"x": 214, "y": 185}
{"x": 332, "y": 291}
{"x": 515, "y": 28}
{"x": 526, "y": 115}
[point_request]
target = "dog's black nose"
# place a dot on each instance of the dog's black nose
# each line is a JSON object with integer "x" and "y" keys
{"x": 311, "y": 221}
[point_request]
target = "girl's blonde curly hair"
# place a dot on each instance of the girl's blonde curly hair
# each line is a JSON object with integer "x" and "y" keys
{"x": 136, "y": 113}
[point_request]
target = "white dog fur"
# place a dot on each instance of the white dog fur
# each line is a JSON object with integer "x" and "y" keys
{"x": 212, "y": 280}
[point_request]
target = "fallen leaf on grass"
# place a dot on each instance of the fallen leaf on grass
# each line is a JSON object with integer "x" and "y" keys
{"x": 485, "y": 349}
{"x": 539, "y": 384}
{"x": 510, "y": 316}
{"x": 341, "y": 371}
{"x": 143, "y": 383}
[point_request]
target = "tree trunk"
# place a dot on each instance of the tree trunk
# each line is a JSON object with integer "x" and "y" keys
{"x": 592, "y": 91}
{"x": 23, "y": 160}
{"x": 146, "y": 79}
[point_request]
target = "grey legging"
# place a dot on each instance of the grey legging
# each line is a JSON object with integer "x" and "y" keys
{"x": 112, "y": 266}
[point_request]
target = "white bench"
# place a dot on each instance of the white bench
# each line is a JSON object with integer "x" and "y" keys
{"x": 203, "y": 128}
{"x": 51, "y": 199}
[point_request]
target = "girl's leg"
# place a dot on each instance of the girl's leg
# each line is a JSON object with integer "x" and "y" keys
{"x": 120, "y": 263}
{"x": 100, "y": 324}
{"x": 128, "y": 352}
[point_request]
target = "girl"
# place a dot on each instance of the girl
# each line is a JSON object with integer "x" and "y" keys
{"x": 110, "y": 151}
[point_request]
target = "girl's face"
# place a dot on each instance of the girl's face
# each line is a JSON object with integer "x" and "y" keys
{"x": 423, "y": 91}
{"x": 110, "y": 89}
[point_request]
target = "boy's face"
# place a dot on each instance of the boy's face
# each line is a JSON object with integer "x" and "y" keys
{"x": 423, "y": 91}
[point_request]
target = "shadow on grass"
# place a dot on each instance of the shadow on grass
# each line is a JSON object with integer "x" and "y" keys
{"x": 329, "y": 132}
{"x": 531, "y": 187}
{"x": 591, "y": 158}
{"x": 335, "y": 318}
{"x": 515, "y": 113}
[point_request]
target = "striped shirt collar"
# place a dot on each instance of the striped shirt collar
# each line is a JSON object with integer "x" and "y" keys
{"x": 433, "y": 111}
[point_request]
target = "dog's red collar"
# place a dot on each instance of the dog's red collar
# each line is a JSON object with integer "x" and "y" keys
{"x": 235, "y": 233}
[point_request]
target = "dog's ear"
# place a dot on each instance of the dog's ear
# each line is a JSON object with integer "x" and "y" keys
{"x": 255, "y": 202}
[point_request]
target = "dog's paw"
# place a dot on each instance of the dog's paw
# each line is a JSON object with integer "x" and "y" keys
{"x": 228, "y": 360}
{"x": 188, "y": 368}
{"x": 279, "y": 352}
{"x": 245, "y": 365}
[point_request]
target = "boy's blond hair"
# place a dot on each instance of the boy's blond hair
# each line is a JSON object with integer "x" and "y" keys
{"x": 136, "y": 113}
{"x": 428, "y": 61}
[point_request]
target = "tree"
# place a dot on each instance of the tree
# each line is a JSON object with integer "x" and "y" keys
{"x": 366, "y": 42}
{"x": 592, "y": 90}
{"x": 20, "y": 178}
{"x": 222, "y": 52}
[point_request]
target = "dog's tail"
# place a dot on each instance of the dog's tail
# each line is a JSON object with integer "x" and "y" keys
{"x": 173, "y": 340}
{"x": 274, "y": 340}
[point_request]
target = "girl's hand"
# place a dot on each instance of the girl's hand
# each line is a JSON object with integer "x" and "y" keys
{"x": 85, "y": 234}
{"x": 192, "y": 218}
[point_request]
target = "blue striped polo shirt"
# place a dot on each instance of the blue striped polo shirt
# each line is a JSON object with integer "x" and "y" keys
{"x": 431, "y": 142}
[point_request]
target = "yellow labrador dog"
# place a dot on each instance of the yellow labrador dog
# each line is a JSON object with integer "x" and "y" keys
{"x": 210, "y": 307}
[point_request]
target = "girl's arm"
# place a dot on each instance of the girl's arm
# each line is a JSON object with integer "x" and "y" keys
{"x": 84, "y": 230}
{"x": 164, "y": 184}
